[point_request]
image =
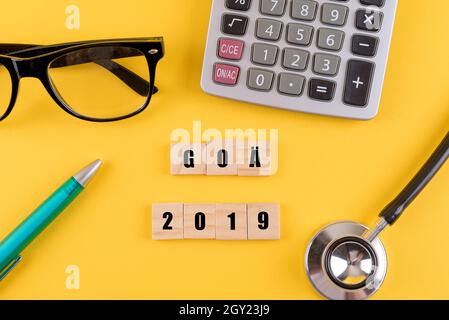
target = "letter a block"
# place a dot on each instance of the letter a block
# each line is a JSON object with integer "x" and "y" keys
{"x": 254, "y": 158}
{"x": 188, "y": 159}
{"x": 221, "y": 158}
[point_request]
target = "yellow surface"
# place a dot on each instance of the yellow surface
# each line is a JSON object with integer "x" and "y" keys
{"x": 330, "y": 169}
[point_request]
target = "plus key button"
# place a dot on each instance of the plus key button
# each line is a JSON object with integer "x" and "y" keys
{"x": 358, "y": 83}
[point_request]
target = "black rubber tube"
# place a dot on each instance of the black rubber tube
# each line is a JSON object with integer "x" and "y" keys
{"x": 392, "y": 212}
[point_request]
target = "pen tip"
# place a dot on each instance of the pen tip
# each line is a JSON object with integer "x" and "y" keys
{"x": 86, "y": 174}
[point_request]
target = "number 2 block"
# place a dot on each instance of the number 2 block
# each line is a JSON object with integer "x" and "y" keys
{"x": 264, "y": 221}
{"x": 231, "y": 221}
{"x": 199, "y": 221}
{"x": 168, "y": 221}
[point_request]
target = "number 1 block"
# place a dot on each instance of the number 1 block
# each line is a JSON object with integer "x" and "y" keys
{"x": 168, "y": 221}
{"x": 264, "y": 221}
{"x": 199, "y": 221}
{"x": 232, "y": 221}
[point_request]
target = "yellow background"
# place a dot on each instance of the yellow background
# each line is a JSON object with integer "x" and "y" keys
{"x": 330, "y": 169}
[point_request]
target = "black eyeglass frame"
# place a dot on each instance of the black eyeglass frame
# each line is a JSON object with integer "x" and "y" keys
{"x": 26, "y": 60}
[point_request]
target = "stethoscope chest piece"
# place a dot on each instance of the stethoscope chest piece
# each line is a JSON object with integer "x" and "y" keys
{"x": 342, "y": 265}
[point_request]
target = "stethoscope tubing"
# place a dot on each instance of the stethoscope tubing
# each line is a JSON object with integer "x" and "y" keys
{"x": 393, "y": 211}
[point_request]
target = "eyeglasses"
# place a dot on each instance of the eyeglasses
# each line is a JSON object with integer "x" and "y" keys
{"x": 101, "y": 81}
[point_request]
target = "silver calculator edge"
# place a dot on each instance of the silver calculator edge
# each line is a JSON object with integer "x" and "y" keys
{"x": 273, "y": 98}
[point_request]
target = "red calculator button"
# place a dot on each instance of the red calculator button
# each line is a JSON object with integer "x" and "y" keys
{"x": 230, "y": 49}
{"x": 226, "y": 74}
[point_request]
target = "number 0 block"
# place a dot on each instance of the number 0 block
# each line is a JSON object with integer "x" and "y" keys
{"x": 199, "y": 221}
{"x": 232, "y": 221}
{"x": 264, "y": 221}
{"x": 168, "y": 221}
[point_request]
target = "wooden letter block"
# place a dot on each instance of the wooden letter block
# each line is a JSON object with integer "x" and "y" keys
{"x": 188, "y": 158}
{"x": 168, "y": 221}
{"x": 231, "y": 222}
{"x": 264, "y": 221}
{"x": 221, "y": 158}
{"x": 254, "y": 158}
{"x": 199, "y": 221}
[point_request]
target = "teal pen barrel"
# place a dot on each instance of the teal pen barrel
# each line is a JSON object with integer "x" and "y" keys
{"x": 20, "y": 238}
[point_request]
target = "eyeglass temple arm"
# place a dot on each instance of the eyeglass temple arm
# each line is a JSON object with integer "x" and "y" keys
{"x": 134, "y": 81}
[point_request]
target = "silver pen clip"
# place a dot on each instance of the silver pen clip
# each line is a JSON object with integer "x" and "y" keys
{"x": 9, "y": 267}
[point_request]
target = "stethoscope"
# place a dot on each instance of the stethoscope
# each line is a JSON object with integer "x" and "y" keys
{"x": 346, "y": 260}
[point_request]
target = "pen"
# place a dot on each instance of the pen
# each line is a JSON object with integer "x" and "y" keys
{"x": 36, "y": 222}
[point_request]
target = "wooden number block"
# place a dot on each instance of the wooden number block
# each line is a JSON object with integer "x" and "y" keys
{"x": 199, "y": 221}
{"x": 254, "y": 158}
{"x": 264, "y": 221}
{"x": 168, "y": 221}
{"x": 232, "y": 222}
{"x": 188, "y": 158}
{"x": 221, "y": 158}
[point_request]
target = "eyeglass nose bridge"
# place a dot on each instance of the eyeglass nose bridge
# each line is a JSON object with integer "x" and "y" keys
{"x": 29, "y": 69}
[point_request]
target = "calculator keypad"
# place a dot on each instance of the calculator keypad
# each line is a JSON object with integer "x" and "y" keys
{"x": 323, "y": 51}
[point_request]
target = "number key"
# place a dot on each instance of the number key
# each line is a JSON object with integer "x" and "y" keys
{"x": 334, "y": 14}
{"x": 272, "y": 7}
{"x": 304, "y": 10}
{"x": 264, "y": 54}
{"x": 295, "y": 59}
{"x": 300, "y": 34}
{"x": 326, "y": 64}
{"x": 330, "y": 39}
{"x": 261, "y": 80}
{"x": 268, "y": 29}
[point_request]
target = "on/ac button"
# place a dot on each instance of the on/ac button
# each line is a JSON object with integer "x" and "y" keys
{"x": 230, "y": 49}
{"x": 226, "y": 74}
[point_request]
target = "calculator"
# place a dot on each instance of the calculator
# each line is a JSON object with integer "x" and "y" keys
{"x": 326, "y": 57}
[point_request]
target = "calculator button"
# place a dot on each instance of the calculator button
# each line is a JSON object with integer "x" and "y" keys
{"x": 230, "y": 49}
{"x": 330, "y": 39}
{"x": 291, "y": 84}
{"x": 378, "y": 3}
{"x": 326, "y": 64}
{"x": 264, "y": 54}
{"x": 369, "y": 20}
{"x": 358, "y": 82}
{"x": 364, "y": 45}
{"x": 242, "y": 5}
{"x": 268, "y": 29}
{"x": 234, "y": 24}
{"x": 260, "y": 79}
{"x": 272, "y": 7}
{"x": 334, "y": 14}
{"x": 295, "y": 59}
{"x": 321, "y": 89}
{"x": 300, "y": 34}
{"x": 304, "y": 10}
{"x": 226, "y": 74}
